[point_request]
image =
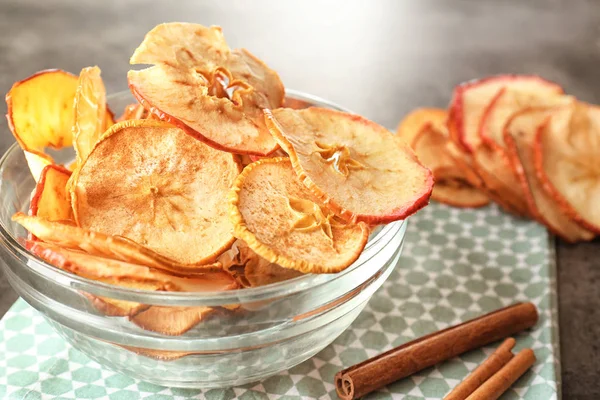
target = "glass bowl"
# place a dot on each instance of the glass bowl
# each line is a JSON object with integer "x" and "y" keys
{"x": 256, "y": 333}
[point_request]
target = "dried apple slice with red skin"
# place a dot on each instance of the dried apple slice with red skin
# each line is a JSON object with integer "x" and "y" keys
{"x": 202, "y": 86}
{"x": 351, "y": 164}
{"x": 292, "y": 230}
{"x": 133, "y": 111}
{"x": 106, "y": 269}
{"x": 413, "y": 122}
{"x": 510, "y": 100}
{"x": 50, "y": 199}
{"x": 565, "y": 155}
{"x": 464, "y": 162}
{"x": 40, "y": 111}
{"x": 166, "y": 194}
{"x": 172, "y": 321}
{"x": 95, "y": 243}
{"x": 451, "y": 187}
{"x": 470, "y": 100}
{"x": 91, "y": 118}
{"x": 519, "y": 136}
{"x": 493, "y": 166}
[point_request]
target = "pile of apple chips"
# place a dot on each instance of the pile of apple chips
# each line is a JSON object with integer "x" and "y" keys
{"x": 519, "y": 141}
{"x": 208, "y": 183}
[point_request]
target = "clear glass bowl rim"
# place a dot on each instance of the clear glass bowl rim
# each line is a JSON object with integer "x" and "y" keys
{"x": 302, "y": 283}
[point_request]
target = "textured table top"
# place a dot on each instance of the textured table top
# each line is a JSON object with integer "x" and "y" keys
{"x": 380, "y": 59}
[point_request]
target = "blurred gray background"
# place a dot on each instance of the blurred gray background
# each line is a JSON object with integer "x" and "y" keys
{"x": 378, "y": 58}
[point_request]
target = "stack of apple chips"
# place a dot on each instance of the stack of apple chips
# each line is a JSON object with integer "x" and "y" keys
{"x": 520, "y": 142}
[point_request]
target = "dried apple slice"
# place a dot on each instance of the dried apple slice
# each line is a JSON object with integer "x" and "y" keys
{"x": 493, "y": 166}
{"x": 565, "y": 153}
{"x": 40, "y": 114}
{"x": 510, "y": 100}
{"x": 212, "y": 92}
{"x": 359, "y": 169}
{"x": 166, "y": 193}
{"x": 127, "y": 275}
{"x": 464, "y": 162}
{"x": 99, "y": 244}
{"x": 451, "y": 187}
{"x": 133, "y": 111}
{"x": 519, "y": 135}
{"x": 470, "y": 100}
{"x": 91, "y": 118}
{"x": 172, "y": 321}
{"x": 36, "y": 164}
{"x": 40, "y": 111}
{"x": 274, "y": 214}
{"x": 414, "y": 121}
{"x": 103, "y": 269}
{"x": 260, "y": 272}
{"x": 50, "y": 199}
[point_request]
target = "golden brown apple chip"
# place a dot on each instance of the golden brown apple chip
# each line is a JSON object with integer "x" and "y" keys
{"x": 40, "y": 115}
{"x": 519, "y": 136}
{"x": 452, "y": 186}
{"x": 198, "y": 83}
{"x": 261, "y": 272}
{"x": 133, "y": 111}
{"x": 150, "y": 182}
{"x": 276, "y": 216}
{"x": 99, "y": 244}
{"x": 471, "y": 99}
{"x": 511, "y": 100}
{"x": 351, "y": 164}
{"x": 566, "y": 160}
{"x": 128, "y": 275}
{"x": 414, "y": 122}
{"x": 50, "y": 199}
{"x": 91, "y": 118}
{"x": 172, "y": 321}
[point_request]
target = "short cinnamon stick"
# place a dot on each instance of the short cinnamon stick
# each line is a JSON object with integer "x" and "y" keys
{"x": 405, "y": 360}
{"x": 503, "y": 379}
{"x": 489, "y": 367}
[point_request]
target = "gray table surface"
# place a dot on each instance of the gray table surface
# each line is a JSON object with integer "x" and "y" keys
{"x": 379, "y": 58}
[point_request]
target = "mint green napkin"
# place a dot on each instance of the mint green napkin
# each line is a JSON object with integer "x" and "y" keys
{"x": 456, "y": 264}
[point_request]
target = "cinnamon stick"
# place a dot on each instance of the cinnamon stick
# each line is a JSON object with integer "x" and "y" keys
{"x": 405, "y": 360}
{"x": 489, "y": 367}
{"x": 503, "y": 379}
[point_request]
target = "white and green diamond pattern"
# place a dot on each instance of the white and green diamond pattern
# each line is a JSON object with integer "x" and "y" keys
{"x": 456, "y": 265}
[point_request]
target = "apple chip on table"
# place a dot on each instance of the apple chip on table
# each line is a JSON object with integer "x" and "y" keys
{"x": 207, "y": 183}
{"x": 522, "y": 143}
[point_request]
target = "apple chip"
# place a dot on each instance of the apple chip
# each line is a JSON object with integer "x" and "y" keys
{"x": 566, "y": 152}
{"x": 414, "y": 121}
{"x": 172, "y": 321}
{"x": 91, "y": 118}
{"x": 40, "y": 111}
{"x": 37, "y": 163}
{"x": 471, "y": 99}
{"x": 464, "y": 162}
{"x": 50, "y": 199}
{"x": 493, "y": 166}
{"x": 151, "y": 183}
{"x": 99, "y": 244}
{"x": 351, "y": 164}
{"x": 101, "y": 268}
{"x": 519, "y": 135}
{"x": 212, "y": 92}
{"x": 509, "y": 101}
{"x": 275, "y": 215}
{"x": 133, "y": 111}
{"x": 451, "y": 185}
{"x": 260, "y": 272}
